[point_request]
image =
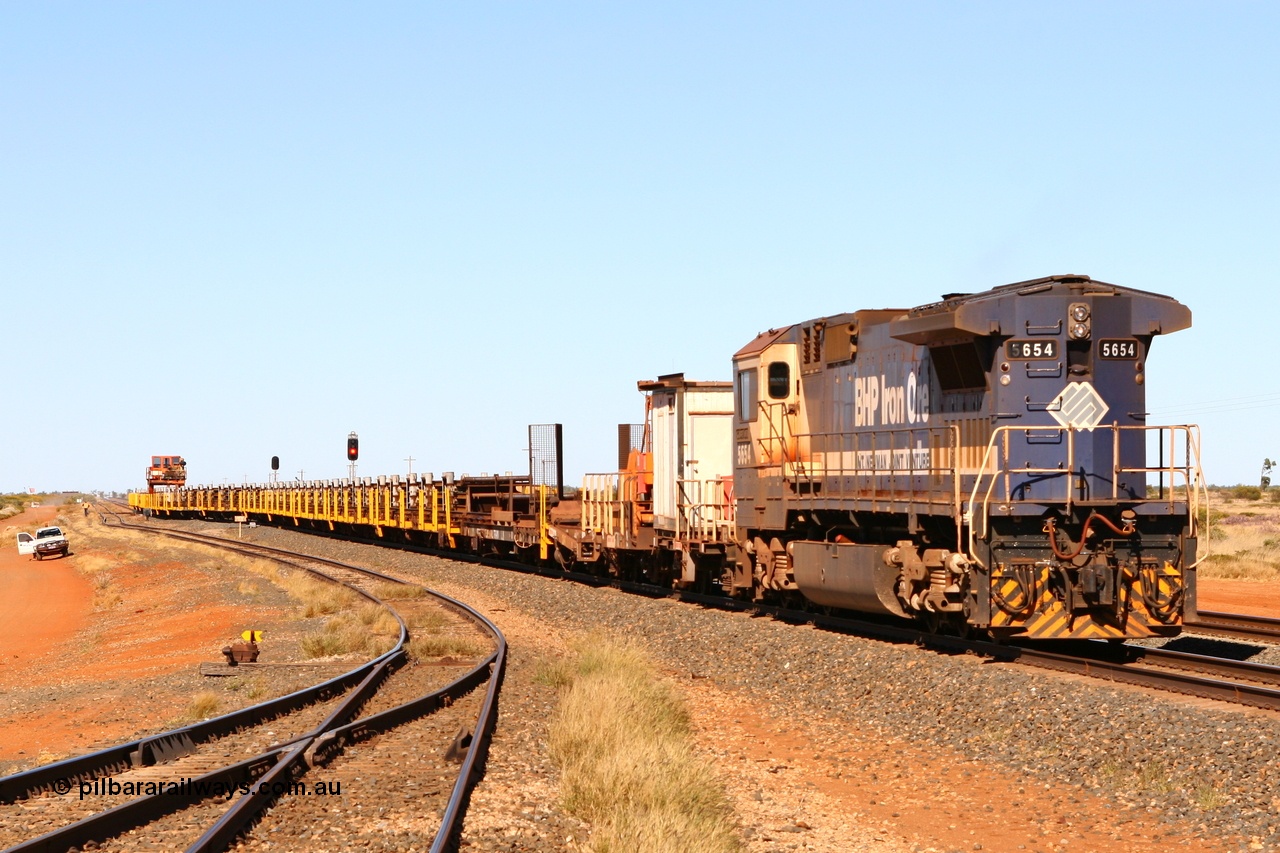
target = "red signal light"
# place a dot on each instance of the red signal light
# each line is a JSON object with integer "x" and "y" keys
{"x": 353, "y": 447}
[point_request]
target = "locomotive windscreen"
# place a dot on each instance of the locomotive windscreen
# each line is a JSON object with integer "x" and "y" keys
{"x": 958, "y": 366}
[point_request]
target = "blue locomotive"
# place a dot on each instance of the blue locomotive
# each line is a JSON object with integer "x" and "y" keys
{"x": 982, "y": 462}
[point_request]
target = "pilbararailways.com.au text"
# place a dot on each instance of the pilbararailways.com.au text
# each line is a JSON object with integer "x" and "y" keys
{"x": 206, "y": 788}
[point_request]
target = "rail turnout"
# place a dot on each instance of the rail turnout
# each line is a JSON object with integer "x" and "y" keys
{"x": 197, "y": 784}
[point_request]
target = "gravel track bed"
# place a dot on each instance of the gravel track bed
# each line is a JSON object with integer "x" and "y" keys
{"x": 46, "y": 812}
{"x": 1201, "y": 764}
{"x": 232, "y": 692}
{"x": 172, "y": 832}
{"x": 392, "y": 791}
{"x": 409, "y": 682}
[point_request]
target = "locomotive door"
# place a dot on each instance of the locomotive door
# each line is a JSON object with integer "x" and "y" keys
{"x": 780, "y": 426}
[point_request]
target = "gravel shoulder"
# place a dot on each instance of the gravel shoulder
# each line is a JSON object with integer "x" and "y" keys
{"x": 824, "y": 738}
{"x": 825, "y": 742}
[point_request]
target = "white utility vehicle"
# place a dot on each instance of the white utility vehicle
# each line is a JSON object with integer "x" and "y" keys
{"x": 47, "y": 542}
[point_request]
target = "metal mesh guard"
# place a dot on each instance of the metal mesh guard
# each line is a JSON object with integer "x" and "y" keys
{"x": 546, "y": 467}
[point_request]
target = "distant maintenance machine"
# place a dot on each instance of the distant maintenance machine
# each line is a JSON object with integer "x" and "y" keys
{"x": 167, "y": 472}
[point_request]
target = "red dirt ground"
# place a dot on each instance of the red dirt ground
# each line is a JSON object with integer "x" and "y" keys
{"x": 51, "y": 636}
{"x": 45, "y": 603}
{"x": 1249, "y": 597}
{"x": 931, "y": 797}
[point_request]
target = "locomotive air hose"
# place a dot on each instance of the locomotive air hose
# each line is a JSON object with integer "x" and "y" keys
{"x": 1049, "y": 527}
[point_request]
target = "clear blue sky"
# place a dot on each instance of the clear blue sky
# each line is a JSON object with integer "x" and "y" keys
{"x": 231, "y": 230}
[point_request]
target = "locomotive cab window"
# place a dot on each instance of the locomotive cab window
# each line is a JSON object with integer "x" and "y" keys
{"x": 958, "y": 367}
{"x": 746, "y": 395}
{"x": 779, "y": 380}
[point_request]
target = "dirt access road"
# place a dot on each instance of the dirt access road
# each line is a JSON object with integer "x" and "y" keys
{"x": 43, "y": 603}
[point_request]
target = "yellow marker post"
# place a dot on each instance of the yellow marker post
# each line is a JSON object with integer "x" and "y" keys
{"x": 251, "y": 636}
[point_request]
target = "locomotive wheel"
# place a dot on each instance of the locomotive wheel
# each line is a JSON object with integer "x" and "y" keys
{"x": 957, "y": 625}
{"x": 930, "y": 621}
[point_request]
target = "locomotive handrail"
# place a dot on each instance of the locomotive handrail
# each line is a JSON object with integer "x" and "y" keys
{"x": 707, "y": 520}
{"x": 874, "y": 455}
{"x": 777, "y": 432}
{"x": 993, "y": 472}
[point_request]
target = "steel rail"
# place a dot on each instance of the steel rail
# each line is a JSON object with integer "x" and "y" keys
{"x": 1237, "y": 625}
{"x": 108, "y": 824}
{"x": 1260, "y": 673}
{"x": 1180, "y": 681}
{"x": 1093, "y": 664}
{"x": 327, "y": 740}
{"x": 62, "y": 776}
{"x": 160, "y": 747}
{"x": 1156, "y": 675}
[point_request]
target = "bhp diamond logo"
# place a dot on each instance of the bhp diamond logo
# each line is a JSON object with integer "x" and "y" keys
{"x": 1079, "y": 406}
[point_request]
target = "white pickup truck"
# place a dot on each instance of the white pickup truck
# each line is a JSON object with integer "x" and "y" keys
{"x": 47, "y": 542}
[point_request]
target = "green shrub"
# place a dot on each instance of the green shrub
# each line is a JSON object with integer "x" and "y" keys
{"x": 1246, "y": 493}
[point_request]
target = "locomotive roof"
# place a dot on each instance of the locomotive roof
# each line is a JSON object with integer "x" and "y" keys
{"x": 991, "y": 312}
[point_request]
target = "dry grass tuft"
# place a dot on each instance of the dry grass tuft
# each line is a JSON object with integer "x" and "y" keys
{"x": 257, "y": 689}
{"x": 624, "y": 744}
{"x": 349, "y": 633}
{"x": 1208, "y": 798}
{"x": 431, "y": 633}
{"x": 443, "y": 645}
{"x": 203, "y": 706}
{"x": 378, "y": 618}
{"x": 1244, "y": 539}
{"x": 429, "y": 621}
{"x": 392, "y": 591}
{"x": 317, "y": 598}
{"x": 104, "y": 597}
{"x": 93, "y": 563}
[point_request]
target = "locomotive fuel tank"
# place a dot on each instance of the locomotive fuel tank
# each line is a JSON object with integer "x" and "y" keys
{"x": 872, "y": 578}
{"x": 850, "y": 575}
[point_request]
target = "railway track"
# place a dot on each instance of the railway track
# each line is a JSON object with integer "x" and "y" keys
{"x": 1203, "y": 676}
{"x": 202, "y": 786}
{"x": 1238, "y": 626}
